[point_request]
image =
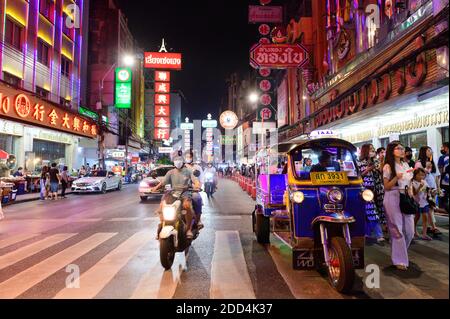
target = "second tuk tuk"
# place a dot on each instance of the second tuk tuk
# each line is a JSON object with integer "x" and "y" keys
{"x": 318, "y": 208}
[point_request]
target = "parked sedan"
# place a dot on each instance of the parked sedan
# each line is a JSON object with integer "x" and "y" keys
{"x": 154, "y": 178}
{"x": 97, "y": 182}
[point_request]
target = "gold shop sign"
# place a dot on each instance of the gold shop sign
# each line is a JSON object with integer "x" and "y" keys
{"x": 416, "y": 123}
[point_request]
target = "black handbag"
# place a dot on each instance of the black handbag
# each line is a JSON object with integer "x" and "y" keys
{"x": 408, "y": 205}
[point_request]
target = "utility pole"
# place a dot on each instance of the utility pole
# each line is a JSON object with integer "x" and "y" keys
{"x": 126, "y": 145}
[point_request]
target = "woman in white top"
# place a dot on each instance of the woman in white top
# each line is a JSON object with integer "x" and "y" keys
{"x": 396, "y": 175}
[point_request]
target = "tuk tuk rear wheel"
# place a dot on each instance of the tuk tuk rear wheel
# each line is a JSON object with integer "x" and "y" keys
{"x": 262, "y": 229}
{"x": 341, "y": 271}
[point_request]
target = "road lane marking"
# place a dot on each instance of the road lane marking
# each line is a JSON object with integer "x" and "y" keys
{"x": 157, "y": 283}
{"x": 124, "y": 219}
{"x": 32, "y": 249}
{"x": 16, "y": 239}
{"x": 17, "y": 285}
{"x": 151, "y": 219}
{"x": 229, "y": 274}
{"x": 100, "y": 274}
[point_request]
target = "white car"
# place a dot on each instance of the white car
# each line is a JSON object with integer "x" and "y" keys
{"x": 154, "y": 178}
{"x": 99, "y": 182}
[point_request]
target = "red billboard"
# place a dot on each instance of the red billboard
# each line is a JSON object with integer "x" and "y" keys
{"x": 278, "y": 56}
{"x": 162, "y": 87}
{"x": 162, "y": 99}
{"x": 162, "y": 60}
{"x": 162, "y": 122}
{"x": 161, "y": 134}
{"x": 162, "y": 76}
{"x": 162, "y": 110}
{"x": 265, "y": 14}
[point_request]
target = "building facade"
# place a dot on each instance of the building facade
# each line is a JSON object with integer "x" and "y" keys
{"x": 382, "y": 75}
{"x": 110, "y": 40}
{"x": 41, "y": 54}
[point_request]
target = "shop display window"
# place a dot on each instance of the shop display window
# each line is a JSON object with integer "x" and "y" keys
{"x": 444, "y": 134}
{"x": 415, "y": 141}
{"x": 46, "y": 152}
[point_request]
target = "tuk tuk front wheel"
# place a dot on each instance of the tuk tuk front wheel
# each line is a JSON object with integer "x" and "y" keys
{"x": 262, "y": 229}
{"x": 340, "y": 269}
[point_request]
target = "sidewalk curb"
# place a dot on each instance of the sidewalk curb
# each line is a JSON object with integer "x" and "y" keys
{"x": 33, "y": 199}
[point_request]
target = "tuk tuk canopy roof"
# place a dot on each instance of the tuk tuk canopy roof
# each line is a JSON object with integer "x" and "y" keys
{"x": 319, "y": 143}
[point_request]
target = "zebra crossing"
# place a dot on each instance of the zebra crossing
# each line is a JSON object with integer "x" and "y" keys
{"x": 230, "y": 276}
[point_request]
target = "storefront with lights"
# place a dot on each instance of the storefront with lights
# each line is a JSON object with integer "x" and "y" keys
{"x": 397, "y": 90}
{"x": 39, "y": 133}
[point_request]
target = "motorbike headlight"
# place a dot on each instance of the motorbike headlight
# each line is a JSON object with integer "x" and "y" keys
{"x": 298, "y": 197}
{"x": 335, "y": 195}
{"x": 169, "y": 213}
{"x": 368, "y": 195}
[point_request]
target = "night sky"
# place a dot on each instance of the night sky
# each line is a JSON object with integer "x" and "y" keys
{"x": 213, "y": 35}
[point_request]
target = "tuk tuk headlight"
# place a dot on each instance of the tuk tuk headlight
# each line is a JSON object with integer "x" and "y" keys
{"x": 298, "y": 197}
{"x": 169, "y": 213}
{"x": 335, "y": 196}
{"x": 368, "y": 195}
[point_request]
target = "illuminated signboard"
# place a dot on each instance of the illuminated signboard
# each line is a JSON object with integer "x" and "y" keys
{"x": 162, "y": 99}
{"x": 161, "y": 134}
{"x": 162, "y": 76}
{"x": 29, "y": 109}
{"x": 162, "y": 60}
{"x": 123, "y": 90}
{"x": 162, "y": 87}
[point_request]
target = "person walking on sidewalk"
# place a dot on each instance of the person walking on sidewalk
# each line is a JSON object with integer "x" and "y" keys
{"x": 372, "y": 180}
{"x": 397, "y": 175}
{"x": 44, "y": 183}
{"x": 64, "y": 181}
{"x": 55, "y": 179}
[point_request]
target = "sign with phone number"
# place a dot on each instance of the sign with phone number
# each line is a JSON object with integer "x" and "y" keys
{"x": 329, "y": 178}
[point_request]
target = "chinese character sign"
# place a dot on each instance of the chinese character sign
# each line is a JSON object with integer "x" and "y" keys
{"x": 162, "y": 76}
{"x": 32, "y": 110}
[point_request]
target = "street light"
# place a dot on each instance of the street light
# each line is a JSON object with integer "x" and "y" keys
{"x": 127, "y": 60}
{"x": 253, "y": 97}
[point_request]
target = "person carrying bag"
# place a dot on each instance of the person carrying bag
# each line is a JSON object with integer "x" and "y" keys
{"x": 400, "y": 215}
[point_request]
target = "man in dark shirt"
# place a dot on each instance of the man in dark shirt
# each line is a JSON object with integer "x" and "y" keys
{"x": 54, "y": 182}
{"x": 409, "y": 157}
{"x": 325, "y": 162}
{"x": 19, "y": 172}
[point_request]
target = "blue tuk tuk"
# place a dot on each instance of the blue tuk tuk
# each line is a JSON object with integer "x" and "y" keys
{"x": 317, "y": 208}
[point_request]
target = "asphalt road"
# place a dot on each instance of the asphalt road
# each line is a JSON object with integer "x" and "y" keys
{"x": 109, "y": 240}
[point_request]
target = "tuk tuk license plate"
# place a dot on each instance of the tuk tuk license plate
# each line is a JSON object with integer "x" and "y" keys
{"x": 329, "y": 178}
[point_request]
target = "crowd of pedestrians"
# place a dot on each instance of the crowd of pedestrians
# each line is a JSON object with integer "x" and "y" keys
{"x": 408, "y": 191}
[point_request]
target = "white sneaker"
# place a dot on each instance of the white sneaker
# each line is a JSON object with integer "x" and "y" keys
{"x": 189, "y": 234}
{"x": 200, "y": 225}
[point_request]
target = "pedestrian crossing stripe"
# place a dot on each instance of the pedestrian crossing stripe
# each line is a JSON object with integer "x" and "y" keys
{"x": 229, "y": 272}
{"x": 15, "y": 286}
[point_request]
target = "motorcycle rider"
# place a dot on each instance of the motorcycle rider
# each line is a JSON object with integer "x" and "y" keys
{"x": 196, "y": 197}
{"x": 180, "y": 179}
{"x": 210, "y": 169}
